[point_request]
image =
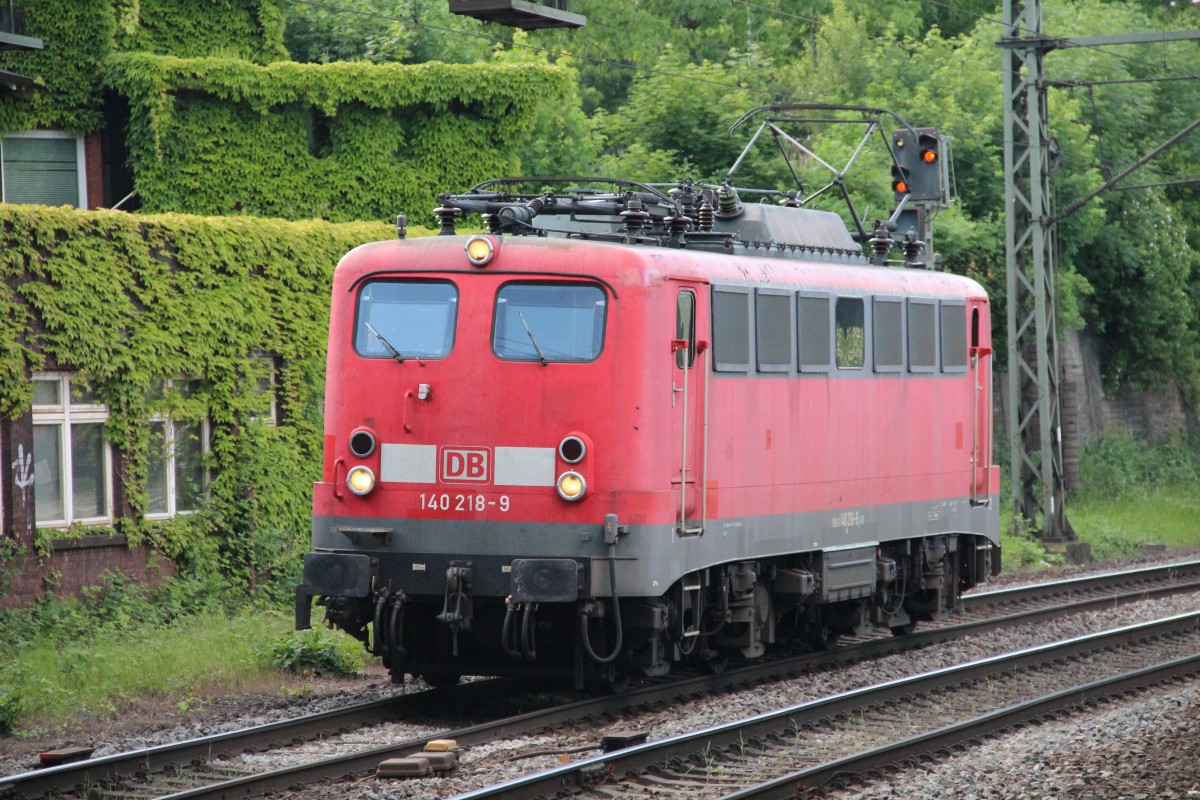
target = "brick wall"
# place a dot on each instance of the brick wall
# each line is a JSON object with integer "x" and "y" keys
{"x": 93, "y": 159}
{"x": 76, "y": 563}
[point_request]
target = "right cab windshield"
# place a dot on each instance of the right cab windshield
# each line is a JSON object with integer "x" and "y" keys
{"x": 549, "y": 322}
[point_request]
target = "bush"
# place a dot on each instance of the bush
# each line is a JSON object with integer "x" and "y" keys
{"x": 1117, "y": 465}
{"x": 316, "y": 652}
{"x": 10, "y": 710}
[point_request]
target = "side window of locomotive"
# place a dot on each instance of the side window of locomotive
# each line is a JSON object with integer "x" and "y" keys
{"x": 773, "y": 329}
{"x": 850, "y": 342}
{"x": 887, "y": 333}
{"x": 731, "y": 328}
{"x": 552, "y": 321}
{"x": 922, "y": 335}
{"x": 415, "y": 318}
{"x": 813, "y": 325}
{"x": 685, "y": 329}
{"x": 954, "y": 336}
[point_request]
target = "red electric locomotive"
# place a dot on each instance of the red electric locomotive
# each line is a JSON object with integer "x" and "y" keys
{"x": 629, "y": 427}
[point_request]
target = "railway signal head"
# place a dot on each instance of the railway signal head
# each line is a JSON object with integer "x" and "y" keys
{"x": 918, "y": 168}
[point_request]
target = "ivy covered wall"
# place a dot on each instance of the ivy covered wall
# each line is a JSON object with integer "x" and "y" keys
{"x": 213, "y": 120}
{"x": 79, "y": 35}
{"x": 128, "y": 302}
{"x": 246, "y": 29}
{"x": 339, "y": 141}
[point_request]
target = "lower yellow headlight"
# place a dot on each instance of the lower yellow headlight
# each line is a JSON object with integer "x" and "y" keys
{"x": 360, "y": 480}
{"x": 571, "y": 486}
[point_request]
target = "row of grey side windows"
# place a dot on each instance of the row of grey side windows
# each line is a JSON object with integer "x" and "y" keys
{"x": 809, "y": 331}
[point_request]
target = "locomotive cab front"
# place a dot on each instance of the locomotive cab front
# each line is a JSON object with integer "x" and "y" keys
{"x": 468, "y": 402}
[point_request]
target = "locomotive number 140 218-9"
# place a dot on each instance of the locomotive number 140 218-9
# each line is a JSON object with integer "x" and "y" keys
{"x": 464, "y": 503}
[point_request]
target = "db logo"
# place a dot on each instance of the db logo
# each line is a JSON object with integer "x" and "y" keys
{"x": 465, "y": 465}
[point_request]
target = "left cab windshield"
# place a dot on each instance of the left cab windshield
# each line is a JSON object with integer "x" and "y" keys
{"x": 415, "y": 318}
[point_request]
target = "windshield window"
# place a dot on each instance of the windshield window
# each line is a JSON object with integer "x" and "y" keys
{"x": 415, "y": 317}
{"x": 564, "y": 321}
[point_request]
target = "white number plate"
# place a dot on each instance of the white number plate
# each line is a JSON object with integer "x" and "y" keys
{"x": 463, "y": 503}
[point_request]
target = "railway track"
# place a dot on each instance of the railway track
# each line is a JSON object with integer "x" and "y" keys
{"x": 839, "y": 737}
{"x": 201, "y": 767}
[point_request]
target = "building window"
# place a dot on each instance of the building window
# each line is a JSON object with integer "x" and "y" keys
{"x": 72, "y": 461}
{"x": 176, "y": 481}
{"x": 265, "y": 410}
{"x": 176, "y": 477}
{"x": 43, "y": 167}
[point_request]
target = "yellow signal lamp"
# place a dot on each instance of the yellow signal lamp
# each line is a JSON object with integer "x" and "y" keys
{"x": 900, "y": 187}
{"x": 571, "y": 486}
{"x": 360, "y": 480}
{"x": 480, "y": 250}
{"x": 929, "y": 156}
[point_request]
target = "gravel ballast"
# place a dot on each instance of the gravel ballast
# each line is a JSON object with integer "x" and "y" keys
{"x": 510, "y": 758}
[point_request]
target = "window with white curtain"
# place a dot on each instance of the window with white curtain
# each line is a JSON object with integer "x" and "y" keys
{"x": 176, "y": 478}
{"x": 72, "y": 460}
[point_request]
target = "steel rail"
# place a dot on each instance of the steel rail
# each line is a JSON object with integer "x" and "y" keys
{"x": 908, "y": 751}
{"x": 118, "y": 767}
{"x": 590, "y": 773}
{"x": 1114, "y": 579}
{"x": 51, "y": 780}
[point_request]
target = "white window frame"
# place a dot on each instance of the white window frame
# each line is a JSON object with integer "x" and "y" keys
{"x": 169, "y": 462}
{"x": 81, "y": 166}
{"x": 65, "y": 414}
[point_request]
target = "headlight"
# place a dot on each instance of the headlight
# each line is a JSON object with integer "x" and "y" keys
{"x": 360, "y": 480}
{"x": 572, "y": 449}
{"x": 571, "y": 486}
{"x": 479, "y": 250}
{"x": 362, "y": 443}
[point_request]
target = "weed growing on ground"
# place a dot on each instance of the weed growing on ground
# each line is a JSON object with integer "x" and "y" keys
{"x": 315, "y": 652}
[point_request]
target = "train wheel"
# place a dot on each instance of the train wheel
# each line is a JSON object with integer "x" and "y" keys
{"x": 442, "y": 680}
{"x": 904, "y": 630}
{"x": 618, "y": 683}
{"x": 823, "y": 637}
{"x": 717, "y": 665}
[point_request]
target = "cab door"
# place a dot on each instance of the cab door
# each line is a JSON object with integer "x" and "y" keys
{"x": 979, "y": 365}
{"x": 689, "y": 366}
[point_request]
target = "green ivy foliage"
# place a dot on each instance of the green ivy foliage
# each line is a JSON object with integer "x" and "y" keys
{"x": 77, "y": 36}
{"x": 249, "y": 29}
{"x": 131, "y": 302}
{"x": 340, "y": 141}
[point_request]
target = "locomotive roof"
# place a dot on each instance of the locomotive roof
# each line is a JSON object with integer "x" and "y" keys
{"x": 687, "y": 216}
{"x": 623, "y": 265}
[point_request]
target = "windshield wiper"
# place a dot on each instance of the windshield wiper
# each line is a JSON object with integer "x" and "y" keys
{"x": 521, "y": 314}
{"x": 395, "y": 353}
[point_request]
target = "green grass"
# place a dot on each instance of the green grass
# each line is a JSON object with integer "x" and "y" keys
{"x": 1116, "y": 527}
{"x": 192, "y": 658}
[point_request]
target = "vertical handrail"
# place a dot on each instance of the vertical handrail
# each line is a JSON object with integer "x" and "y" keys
{"x": 687, "y": 367}
{"x": 704, "y": 442}
{"x": 975, "y": 361}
